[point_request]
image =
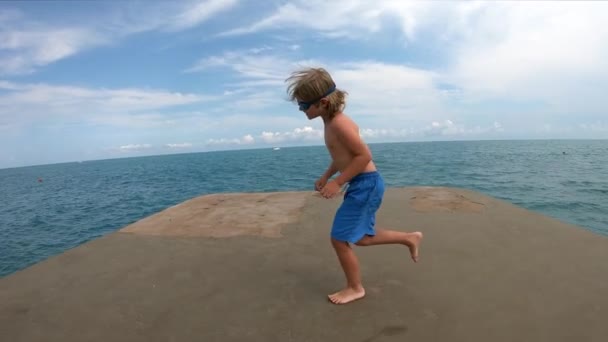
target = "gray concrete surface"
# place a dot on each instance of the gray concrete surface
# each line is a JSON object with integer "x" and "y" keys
{"x": 489, "y": 271}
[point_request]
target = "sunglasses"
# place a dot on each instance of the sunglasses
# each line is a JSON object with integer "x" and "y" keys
{"x": 305, "y": 105}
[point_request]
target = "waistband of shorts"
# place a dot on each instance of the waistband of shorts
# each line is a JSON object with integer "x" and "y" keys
{"x": 365, "y": 175}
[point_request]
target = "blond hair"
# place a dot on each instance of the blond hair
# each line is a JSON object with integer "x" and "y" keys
{"x": 310, "y": 84}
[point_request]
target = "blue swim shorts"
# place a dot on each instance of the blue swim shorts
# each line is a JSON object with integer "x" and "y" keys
{"x": 356, "y": 217}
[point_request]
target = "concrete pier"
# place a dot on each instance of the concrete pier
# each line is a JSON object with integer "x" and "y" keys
{"x": 258, "y": 267}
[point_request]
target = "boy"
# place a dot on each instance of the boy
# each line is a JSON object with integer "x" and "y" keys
{"x": 317, "y": 96}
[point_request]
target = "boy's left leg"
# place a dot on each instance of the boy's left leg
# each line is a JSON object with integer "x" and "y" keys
{"x": 385, "y": 236}
{"x": 350, "y": 265}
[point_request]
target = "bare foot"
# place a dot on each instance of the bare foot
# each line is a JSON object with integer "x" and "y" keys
{"x": 414, "y": 241}
{"x": 346, "y": 295}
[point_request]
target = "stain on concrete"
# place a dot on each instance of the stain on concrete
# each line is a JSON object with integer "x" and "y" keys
{"x": 257, "y": 214}
{"x": 442, "y": 200}
{"x": 391, "y": 330}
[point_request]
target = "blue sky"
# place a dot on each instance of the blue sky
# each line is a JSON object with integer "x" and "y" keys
{"x": 93, "y": 80}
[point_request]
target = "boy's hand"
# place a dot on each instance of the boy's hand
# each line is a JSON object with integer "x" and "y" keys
{"x": 320, "y": 183}
{"x": 330, "y": 190}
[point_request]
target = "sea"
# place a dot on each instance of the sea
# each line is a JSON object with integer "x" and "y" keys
{"x": 48, "y": 209}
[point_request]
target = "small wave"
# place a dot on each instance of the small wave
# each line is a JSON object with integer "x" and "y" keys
{"x": 562, "y": 205}
{"x": 593, "y": 191}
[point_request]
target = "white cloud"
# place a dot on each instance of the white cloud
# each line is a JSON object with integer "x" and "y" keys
{"x": 245, "y": 140}
{"x": 259, "y": 77}
{"x": 24, "y": 50}
{"x": 199, "y": 13}
{"x": 445, "y": 128}
{"x": 134, "y": 147}
{"x": 549, "y": 52}
{"x": 36, "y": 102}
{"x": 224, "y": 141}
{"x": 305, "y": 134}
{"x": 179, "y": 145}
{"x": 251, "y": 65}
{"x": 259, "y": 50}
{"x": 255, "y": 100}
{"x": 248, "y": 139}
{"x": 450, "y": 128}
{"x": 538, "y": 50}
{"x": 6, "y": 85}
{"x": 380, "y": 133}
{"x": 27, "y": 44}
{"x": 379, "y": 90}
{"x": 338, "y": 18}
{"x": 388, "y": 92}
{"x": 308, "y": 134}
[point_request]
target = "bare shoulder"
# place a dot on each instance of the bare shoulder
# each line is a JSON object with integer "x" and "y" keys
{"x": 343, "y": 123}
{"x": 347, "y": 132}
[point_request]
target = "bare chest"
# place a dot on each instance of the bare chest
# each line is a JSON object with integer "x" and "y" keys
{"x": 334, "y": 146}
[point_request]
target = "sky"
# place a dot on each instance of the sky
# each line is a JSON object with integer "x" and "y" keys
{"x": 87, "y": 80}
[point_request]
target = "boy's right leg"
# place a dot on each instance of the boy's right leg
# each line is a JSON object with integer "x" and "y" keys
{"x": 350, "y": 265}
{"x": 385, "y": 236}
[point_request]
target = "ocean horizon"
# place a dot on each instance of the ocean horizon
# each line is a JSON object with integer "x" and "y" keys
{"x": 47, "y": 209}
{"x": 284, "y": 146}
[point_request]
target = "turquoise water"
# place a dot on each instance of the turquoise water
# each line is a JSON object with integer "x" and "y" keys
{"x": 76, "y": 202}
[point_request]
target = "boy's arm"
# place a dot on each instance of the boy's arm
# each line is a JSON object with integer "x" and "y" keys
{"x": 331, "y": 170}
{"x": 362, "y": 155}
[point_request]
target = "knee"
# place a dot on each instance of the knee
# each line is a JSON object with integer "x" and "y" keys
{"x": 339, "y": 245}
